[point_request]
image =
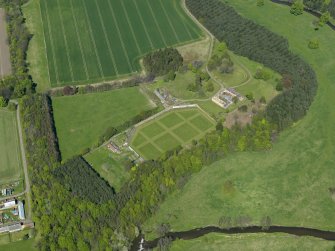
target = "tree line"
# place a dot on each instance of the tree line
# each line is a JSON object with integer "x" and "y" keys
{"x": 19, "y": 83}
{"x": 246, "y": 38}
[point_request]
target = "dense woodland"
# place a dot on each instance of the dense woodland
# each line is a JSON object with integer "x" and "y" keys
{"x": 19, "y": 83}
{"x": 163, "y": 61}
{"x": 79, "y": 178}
{"x": 254, "y": 41}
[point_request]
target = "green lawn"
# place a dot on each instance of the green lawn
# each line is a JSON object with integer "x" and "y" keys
{"x": 253, "y": 242}
{"x": 178, "y": 87}
{"x": 172, "y": 129}
{"x": 87, "y": 41}
{"x": 291, "y": 182}
{"x": 10, "y": 154}
{"x": 109, "y": 166}
{"x": 242, "y": 78}
{"x": 82, "y": 119}
{"x": 26, "y": 245}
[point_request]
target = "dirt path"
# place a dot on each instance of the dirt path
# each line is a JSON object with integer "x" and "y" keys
{"x": 25, "y": 166}
{"x": 5, "y": 65}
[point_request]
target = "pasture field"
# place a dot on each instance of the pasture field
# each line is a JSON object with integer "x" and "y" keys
{"x": 82, "y": 119}
{"x": 253, "y": 242}
{"x": 89, "y": 41}
{"x": 10, "y": 155}
{"x": 289, "y": 183}
{"x": 109, "y": 166}
{"x": 175, "y": 128}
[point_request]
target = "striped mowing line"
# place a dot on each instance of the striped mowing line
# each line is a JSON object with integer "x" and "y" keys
{"x": 151, "y": 141}
{"x": 79, "y": 40}
{"x": 65, "y": 39}
{"x": 169, "y": 20}
{"x": 45, "y": 44}
{"x": 131, "y": 28}
{"x": 93, "y": 40}
{"x": 183, "y": 18}
{"x": 52, "y": 43}
{"x": 120, "y": 36}
{"x": 106, "y": 38}
{"x": 144, "y": 26}
{"x": 153, "y": 15}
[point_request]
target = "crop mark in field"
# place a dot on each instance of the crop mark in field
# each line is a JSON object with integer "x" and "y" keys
{"x": 79, "y": 40}
{"x": 65, "y": 40}
{"x": 143, "y": 24}
{"x": 52, "y": 42}
{"x": 120, "y": 36}
{"x": 153, "y": 15}
{"x": 15, "y": 123}
{"x": 93, "y": 40}
{"x": 45, "y": 44}
{"x": 131, "y": 28}
{"x": 106, "y": 38}
{"x": 169, "y": 21}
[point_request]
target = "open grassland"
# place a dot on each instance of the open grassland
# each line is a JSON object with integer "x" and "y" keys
{"x": 253, "y": 242}
{"x": 10, "y": 161}
{"x": 291, "y": 182}
{"x": 93, "y": 40}
{"x": 109, "y": 166}
{"x": 170, "y": 130}
{"x": 82, "y": 119}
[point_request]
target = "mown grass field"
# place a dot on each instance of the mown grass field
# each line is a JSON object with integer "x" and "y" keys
{"x": 291, "y": 182}
{"x": 10, "y": 160}
{"x": 253, "y": 242}
{"x": 109, "y": 166}
{"x": 170, "y": 130}
{"x": 82, "y": 119}
{"x": 93, "y": 40}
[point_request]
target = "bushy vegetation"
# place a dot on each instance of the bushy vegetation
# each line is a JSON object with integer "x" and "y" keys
{"x": 78, "y": 177}
{"x": 163, "y": 61}
{"x": 251, "y": 40}
{"x": 321, "y": 5}
{"x": 19, "y": 83}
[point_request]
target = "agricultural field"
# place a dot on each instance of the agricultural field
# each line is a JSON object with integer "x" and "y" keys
{"x": 5, "y": 64}
{"x": 10, "y": 155}
{"x": 290, "y": 183}
{"x": 253, "y": 242}
{"x": 91, "y": 41}
{"x": 82, "y": 119}
{"x": 170, "y": 130}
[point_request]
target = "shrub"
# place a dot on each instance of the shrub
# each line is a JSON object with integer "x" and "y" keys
{"x": 313, "y": 44}
{"x": 297, "y": 8}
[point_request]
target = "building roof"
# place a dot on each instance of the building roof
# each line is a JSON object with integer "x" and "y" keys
{"x": 21, "y": 210}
